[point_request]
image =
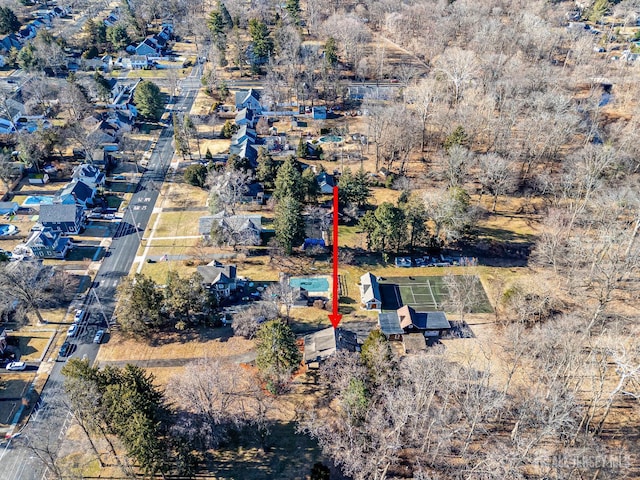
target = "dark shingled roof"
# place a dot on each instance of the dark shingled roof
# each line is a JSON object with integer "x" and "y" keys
{"x": 58, "y": 213}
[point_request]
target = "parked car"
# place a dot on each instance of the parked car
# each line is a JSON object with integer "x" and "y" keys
{"x": 73, "y": 330}
{"x": 65, "y": 349}
{"x": 98, "y": 337}
{"x": 79, "y": 316}
{"x": 16, "y": 366}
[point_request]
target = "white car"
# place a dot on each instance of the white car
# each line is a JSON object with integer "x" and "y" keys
{"x": 79, "y": 316}
{"x": 73, "y": 329}
{"x": 16, "y": 366}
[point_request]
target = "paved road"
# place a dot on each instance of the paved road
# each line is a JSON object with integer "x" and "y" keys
{"x": 51, "y": 421}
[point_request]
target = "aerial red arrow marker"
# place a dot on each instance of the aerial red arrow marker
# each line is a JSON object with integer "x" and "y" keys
{"x": 335, "y": 317}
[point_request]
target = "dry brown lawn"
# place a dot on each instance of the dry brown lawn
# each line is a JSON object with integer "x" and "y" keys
{"x": 183, "y": 195}
{"x": 167, "y": 353}
{"x": 32, "y": 343}
{"x": 182, "y": 223}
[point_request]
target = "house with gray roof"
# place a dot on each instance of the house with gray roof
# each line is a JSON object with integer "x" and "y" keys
{"x": 246, "y": 149}
{"x": 370, "y": 292}
{"x": 248, "y": 99}
{"x": 240, "y": 229}
{"x": 219, "y": 279}
{"x": 320, "y": 345}
{"x": 62, "y": 218}
{"x": 246, "y": 117}
{"x": 244, "y": 134}
{"x": 406, "y": 320}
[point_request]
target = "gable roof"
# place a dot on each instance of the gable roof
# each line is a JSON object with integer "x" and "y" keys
{"x": 408, "y": 318}
{"x": 235, "y": 222}
{"x": 47, "y": 238}
{"x": 244, "y": 131}
{"x": 319, "y": 345}
{"x": 244, "y": 114}
{"x": 246, "y": 149}
{"x": 322, "y": 344}
{"x": 89, "y": 172}
{"x": 326, "y": 179}
{"x": 216, "y": 273}
{"x": 58, "y": 213}
{"x": 79, "y": 189}
{"x": 243, "y": 95}
{"x": 369, "y": 288}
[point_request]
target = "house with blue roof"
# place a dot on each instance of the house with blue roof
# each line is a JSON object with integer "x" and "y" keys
{"x": 47, "y": 243}
{"x": 148, "y": 47}
{"x": 76, "y": 193}
{"x": 326, "y": 182}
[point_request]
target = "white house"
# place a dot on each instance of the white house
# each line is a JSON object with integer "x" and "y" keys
{"x": 89, "y": 174}
{"x": 248, "y": 99}
{"x": 370, "y": 292}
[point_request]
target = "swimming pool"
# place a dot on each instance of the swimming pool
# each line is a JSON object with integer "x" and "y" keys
{"x": 8, "y": 229}
{"x": 330, "y": 139}
{"x": 37, "y": 200}
{"x": 310, "y": 284}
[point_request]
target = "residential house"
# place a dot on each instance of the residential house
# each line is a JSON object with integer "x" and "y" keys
{"x": 166, "y": 32}
{"x": 246, "y": 117}
{"x": 78, "y": 193}
{"x": 406, "y": 320}
{"x": 111, "y": 20}
{"x": 319, "y": 113}
{"x": 47, "y": 243}
{"x": 8, "y": 42}
{"x": 370, "y": 297}
{"x": 248, "y": 99}
{"x": 242, "y": 229}
{"x": 254, "y": 193}
{"x": 148, "y": 47}
{"x": 27, "y": 32}
{"x": 89, "y": 174}
{"x": 135, "y": 62}
{"x": 326, "y": 182}
{"x": 121, "y": 96}
{"x": 244, "y": 134}
{"x": 321, "y": 345}
{"x": 246, "y": 149}
{"x": 6, "y": 126}
{"x": 62, "y": 218}
{"x": 219, "y": 279}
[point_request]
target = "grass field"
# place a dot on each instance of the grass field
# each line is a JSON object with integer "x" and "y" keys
{"x": 425, "y": 294}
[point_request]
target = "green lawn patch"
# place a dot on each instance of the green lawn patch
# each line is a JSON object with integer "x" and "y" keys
{"x": 425, "y": 294}
{"x": 113, "y": 201}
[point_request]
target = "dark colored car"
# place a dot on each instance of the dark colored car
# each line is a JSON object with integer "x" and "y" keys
{"x": 65, "y": 349}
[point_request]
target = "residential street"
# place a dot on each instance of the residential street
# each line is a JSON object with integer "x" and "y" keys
{"x": 50, "y": 423}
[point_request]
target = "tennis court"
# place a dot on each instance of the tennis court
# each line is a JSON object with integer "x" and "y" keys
{"x": 425, "y": 294}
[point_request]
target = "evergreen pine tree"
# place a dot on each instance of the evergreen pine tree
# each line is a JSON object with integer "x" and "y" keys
{"x": 289, "y": 181}
{"x": 288, "y": 223}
